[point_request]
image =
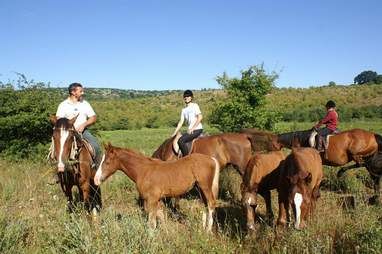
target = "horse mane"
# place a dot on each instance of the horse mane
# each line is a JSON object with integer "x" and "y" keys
{"x": 131, "y": 152}
{"x": 161, "y": 149}
{"x": 260, "y": 140}
{"x": 62, "y": 123}
{"x": 289, "y": 139}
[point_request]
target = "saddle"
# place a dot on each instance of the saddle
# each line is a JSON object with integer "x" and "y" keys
{"x": 321, "y": 143}
{"x": 189, "y": 145}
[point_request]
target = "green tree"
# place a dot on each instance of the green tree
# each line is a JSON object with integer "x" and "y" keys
{"x": 24, "y": 118}
{"x": 244, "y": 105}
{"x": 365, "y": 77}
{"x": 378, "y": 79}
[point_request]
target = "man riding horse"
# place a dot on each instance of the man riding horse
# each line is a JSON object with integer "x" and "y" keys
{"x": 76, "y": 106}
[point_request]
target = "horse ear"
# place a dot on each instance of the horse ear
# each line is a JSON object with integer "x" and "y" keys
{"x": 71, "y": 121}
{"x": 53, "y": 119}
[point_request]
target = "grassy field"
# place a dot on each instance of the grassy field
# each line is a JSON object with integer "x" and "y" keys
{"x": 33, "y": 218}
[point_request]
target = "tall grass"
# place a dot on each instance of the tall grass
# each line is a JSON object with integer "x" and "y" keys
{"x": 33, "y": 217}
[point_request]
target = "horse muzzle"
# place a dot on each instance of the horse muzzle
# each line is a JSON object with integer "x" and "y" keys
{"x": 61, "y": 167}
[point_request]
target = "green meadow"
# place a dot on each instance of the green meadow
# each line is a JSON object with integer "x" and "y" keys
{"x": 33, "y": 217}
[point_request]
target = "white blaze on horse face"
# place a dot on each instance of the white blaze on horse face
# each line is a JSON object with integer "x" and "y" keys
{"x": 98, "y": 176}
{"x": 64, "y": 134}
{"x": 297, "y": 202}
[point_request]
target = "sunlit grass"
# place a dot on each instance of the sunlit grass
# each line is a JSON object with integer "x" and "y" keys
{"x": 33, "y": 217}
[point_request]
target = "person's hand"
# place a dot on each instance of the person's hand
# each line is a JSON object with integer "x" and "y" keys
{"x": 81, "y": 128}
{"x": 190, "y": 131}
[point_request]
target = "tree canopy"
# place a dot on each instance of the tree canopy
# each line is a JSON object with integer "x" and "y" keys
{"x": 246, "y": 97}
{"x": 366, "y": 77}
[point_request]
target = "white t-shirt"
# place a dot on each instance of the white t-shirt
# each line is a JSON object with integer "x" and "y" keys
{"x": 190, "y": 113}
{"x": 69, "y": 109}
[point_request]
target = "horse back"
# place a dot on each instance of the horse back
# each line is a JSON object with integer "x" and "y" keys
{"x": 309, "y": 160}
{"x": 261, "y": 169}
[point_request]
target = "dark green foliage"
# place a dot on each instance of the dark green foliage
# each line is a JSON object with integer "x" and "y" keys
{"x": 246, "y": 98}
{"x": 366, "y": 77}
{"x": 24, "y": 117}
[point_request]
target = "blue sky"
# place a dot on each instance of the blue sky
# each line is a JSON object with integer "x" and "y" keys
{"x": 180, "y": 44}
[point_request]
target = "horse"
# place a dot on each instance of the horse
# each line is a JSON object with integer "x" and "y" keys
{"x": 356, "y": 145}
{"x": 74, "y": 169}
{"x": 156, "y": 179}
{"x": 261, "y": 176}
{"x": 228, "y": 148}
{"x": 299, "y": 185}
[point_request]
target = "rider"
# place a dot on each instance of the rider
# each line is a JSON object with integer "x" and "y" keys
{"x": 330, "y": 120}
{"x": 74, "y": 106}
{"x": 193, "y": 116}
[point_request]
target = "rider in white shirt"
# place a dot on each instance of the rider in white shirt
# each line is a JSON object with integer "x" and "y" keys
{"x": 75, "y": 105}
{"x": 193, "y": 117}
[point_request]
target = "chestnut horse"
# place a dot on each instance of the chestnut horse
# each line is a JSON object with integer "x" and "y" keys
{"x": 299, "y": 185}
{"x": 228, "y": 148}
{"x": 361, "y": 146}
{"x": 261, "y": 176}
{"x": 156, "y": 179}
{"x": 74, "y": 171}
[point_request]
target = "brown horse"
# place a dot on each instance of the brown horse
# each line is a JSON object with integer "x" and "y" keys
{"x": 261, "y": 176}
{"x": 228, "y": 148}
{"x": 361, "y": 146}
{"x": 299, "y": 185}
{"x": 74, "y": 171}
{"x": 156, "y": 179}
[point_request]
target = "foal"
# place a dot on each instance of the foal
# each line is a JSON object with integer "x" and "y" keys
{"x": 261, "y": 176}
{"x": 157, "y": 179}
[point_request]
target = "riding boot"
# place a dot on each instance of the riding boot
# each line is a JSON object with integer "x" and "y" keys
{"x": 320, "y": 146}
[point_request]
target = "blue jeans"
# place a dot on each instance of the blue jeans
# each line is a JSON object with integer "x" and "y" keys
{"x": 94, "y": 143}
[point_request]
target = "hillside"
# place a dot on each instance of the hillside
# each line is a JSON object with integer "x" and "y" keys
{"x": 154, "y": 109}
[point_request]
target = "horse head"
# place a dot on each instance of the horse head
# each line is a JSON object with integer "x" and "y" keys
{"x": 63, "y": 138}
{"x": 109, "y": 164}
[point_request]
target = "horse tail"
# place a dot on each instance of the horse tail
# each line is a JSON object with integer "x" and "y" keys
{"x": 215, "y": 181}
{"x": 378, "y": 138}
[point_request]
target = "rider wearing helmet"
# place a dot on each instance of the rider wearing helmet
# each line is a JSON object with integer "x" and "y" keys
{"x": 330, "y": 120}
{"x": 193, "y": 116}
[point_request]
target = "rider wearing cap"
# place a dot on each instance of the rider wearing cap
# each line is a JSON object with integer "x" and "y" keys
{"x": 330, "y": 120}
{"x": 193, "y": 117}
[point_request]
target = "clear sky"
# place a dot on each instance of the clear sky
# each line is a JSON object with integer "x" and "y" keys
{"x": 185, "y": 44}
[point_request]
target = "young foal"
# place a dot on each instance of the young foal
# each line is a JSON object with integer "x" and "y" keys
{"x": 157, "y": 179}
{"x": 261, "y": 176}
{"x": 299, "y": 185}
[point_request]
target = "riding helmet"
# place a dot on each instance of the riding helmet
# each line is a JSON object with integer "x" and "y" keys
{"x": 330, "y": 104}
{"x": 188, "y": 93}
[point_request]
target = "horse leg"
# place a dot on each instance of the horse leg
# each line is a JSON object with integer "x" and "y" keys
{"x": 151, "y": 207}
{"x": 377, "y": 188}
{"x": 69, "y": 196}
{"x": 268, "y": 204}
{"x": 283, "y": 217}
{"x": 250, "y": 204}
{"x": 211, "y": 204}
{"x": 344, "y": 169}
{"x": 160, "y": 214}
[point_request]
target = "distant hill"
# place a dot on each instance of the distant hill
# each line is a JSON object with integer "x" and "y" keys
{"x": 131, "y": 109}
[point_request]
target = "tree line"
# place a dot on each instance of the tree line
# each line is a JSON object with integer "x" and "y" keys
{"x": 249, "y": 100}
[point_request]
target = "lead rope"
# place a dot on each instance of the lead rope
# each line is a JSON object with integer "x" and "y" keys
{"x": 73, "y": 150}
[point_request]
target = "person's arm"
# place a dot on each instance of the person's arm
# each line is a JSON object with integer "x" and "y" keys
{"x": 180, "y": 124}
{"x": 324, "y": 120}
{"x": 91, "y": 120}
{"x": 199, "y": 118}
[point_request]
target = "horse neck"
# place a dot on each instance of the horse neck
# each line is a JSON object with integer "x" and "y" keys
{"x": 288, "y": 139}
{"x": 133, "y": 165}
